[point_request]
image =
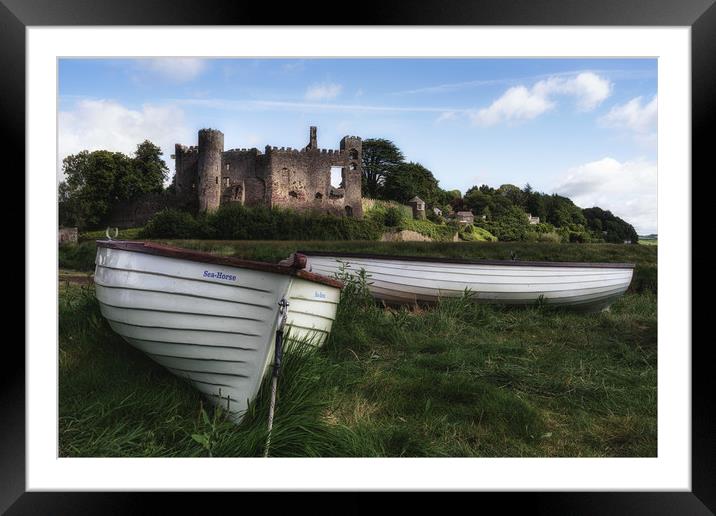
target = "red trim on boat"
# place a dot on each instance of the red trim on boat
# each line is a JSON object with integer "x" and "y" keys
{"x": 295, "y": 269}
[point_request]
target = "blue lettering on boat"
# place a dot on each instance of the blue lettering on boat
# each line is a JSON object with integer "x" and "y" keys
{"x": 319, "y": 295}
{"x": 219, "y": 275}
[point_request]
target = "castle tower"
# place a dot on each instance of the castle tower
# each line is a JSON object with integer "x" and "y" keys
{"x": 211, "y": 146}
{"x": 313, "y": 138}
{"x": 185, "y": 175}
{"x": 352, "y": 147}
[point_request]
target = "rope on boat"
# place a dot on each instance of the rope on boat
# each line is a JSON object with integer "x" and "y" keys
{"x": 278, "y": 356}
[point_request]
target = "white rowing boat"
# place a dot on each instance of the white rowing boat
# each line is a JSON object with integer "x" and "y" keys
{"x": 410, "y": 279}
{"x": 210, "y": 319}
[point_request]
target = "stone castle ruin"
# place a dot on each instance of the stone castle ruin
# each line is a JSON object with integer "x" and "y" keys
{"x": 299, "y": 179}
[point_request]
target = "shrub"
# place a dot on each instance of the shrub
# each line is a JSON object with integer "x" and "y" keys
{"x": 470, "y": 233}
{"x": 434, "y": 217}
{"x": 552, "y": 237}
{"x": 77, "y": 257}
{"x": 237, "y": 222}
{"x": 575, "y": 233}
{"x": 386, "y": 213}
{"x": 438, "y": 232}
{"x": 172, "y": 223}
{"x": 644, "y": 279}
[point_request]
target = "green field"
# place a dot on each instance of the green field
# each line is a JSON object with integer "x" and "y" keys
{"x": 456, "y": 379}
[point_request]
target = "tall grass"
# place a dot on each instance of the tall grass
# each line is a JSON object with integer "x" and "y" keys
{"x": 114, "y": 401}
{"x": 456, "y": 379}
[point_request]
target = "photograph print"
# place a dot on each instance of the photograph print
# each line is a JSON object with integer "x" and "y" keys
{"x": 357, "y": 257}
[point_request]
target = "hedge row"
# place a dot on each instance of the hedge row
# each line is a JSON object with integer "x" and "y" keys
{"x": 237, "y": 222}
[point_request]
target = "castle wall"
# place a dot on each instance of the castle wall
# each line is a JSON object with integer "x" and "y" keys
{"x": 301, "y": 180}
{"x": 279, "y": 177}
{"x": 138, "y": 211}
{"x": 243, "y": 177}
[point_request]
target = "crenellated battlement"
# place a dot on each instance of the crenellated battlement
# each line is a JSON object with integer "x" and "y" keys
{"x": 296, "y": 178}
{"x": 290, "y": 150}
{"x": 253, "y": 151}
{"x": 193, "y": 149}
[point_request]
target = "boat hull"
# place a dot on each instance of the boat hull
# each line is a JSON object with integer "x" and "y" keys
{"x": 398, "y": 280}
{"x": 213, "y": 325}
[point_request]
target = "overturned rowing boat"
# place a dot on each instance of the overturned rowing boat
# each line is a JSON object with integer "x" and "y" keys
{"x": 411, "y": 279}
{"x": 207, "y": 318}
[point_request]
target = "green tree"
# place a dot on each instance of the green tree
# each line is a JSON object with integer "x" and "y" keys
{"x": 535, "y": 204}
{"x": 410, "y": 179}
{"x": 605, "y": 225}
{"x": 380, "y": 157}
{"x": 149, "y": 172}
{"x": 513, "y": 193}
{"x": 477, "y": 201}
{"x": 561, "y": 211}
{"x": 512, "y": 224}
{"x": 96, "y": 181}
{"x": 89, "y": 191}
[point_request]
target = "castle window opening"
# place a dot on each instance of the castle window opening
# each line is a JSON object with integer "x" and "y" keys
{"x": 293, "y": 193}
{"x": 337, "y": 177}
{"x": 227, "y": 181}
{"x": 319, "y": 195}
{"x": 352, "y": 166}
{"x": 236, "y": 192}
{"x": 227, "y": 166}
{"x": 217, "y": 180}
{"x": 349, "y": 211}
{"x": 353, "y": 154}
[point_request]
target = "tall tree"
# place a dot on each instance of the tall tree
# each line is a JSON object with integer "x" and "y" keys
{"x": 96, "y": 181}
{"x": 477, "y": 201}
{"x": 150, "y": 169}
{"x": 410, "y": 179}
{"x": 606, "y": 225}
{"x": 380, "y": 157}
{"x": 513, "y": 193}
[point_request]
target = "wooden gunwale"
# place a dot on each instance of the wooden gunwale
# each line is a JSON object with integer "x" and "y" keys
{"x": 203, "y": 257}
{"x": 525, "y": 263}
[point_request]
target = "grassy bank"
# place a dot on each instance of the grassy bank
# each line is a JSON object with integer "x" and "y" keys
{"x": 645, "y": 276}
{"x": 457, "y": 379}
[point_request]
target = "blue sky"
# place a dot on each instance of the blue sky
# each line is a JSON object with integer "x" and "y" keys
{"x": 585, "y": 128}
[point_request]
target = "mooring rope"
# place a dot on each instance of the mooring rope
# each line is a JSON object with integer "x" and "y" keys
{"x": 278, "y": 355}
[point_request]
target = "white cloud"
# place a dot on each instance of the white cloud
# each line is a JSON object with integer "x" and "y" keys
{"x": 627, "y": 189}
{"x": 447, "y": 115}
{"x": 636, "y": 115}
{"x": 517, "y": 103}
{"x": 588, "y": 88}
{"x": 521, "y": 103}
{"x": 323, "y": 91}
{"x": 107, "y": 125}
{"x": 179, "y": 69}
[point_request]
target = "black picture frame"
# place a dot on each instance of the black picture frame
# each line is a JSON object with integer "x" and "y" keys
{"x": 700, "y": 15}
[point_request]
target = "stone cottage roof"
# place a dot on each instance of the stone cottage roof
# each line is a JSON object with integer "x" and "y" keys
{"x": 416, "y": 199}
